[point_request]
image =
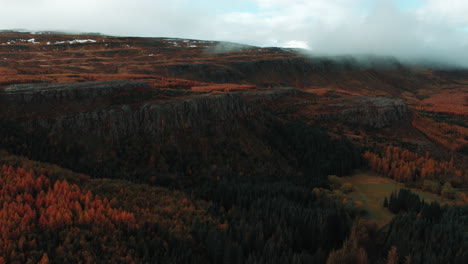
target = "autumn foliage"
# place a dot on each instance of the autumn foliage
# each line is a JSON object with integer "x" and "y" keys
{"x": 450, "y": 101}
{"x": 32, "y": 209}
{"x": 451, "y": 136}
{"x": 223, "y": 88}
{"x": 406, "y": 166}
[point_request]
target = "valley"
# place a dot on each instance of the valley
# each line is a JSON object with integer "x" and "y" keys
{"x": 145, "y": 150}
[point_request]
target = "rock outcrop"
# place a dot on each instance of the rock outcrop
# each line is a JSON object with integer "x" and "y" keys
{"x": 375, "y": 112}
{"x": 58, "y": 92}
{"x": 149, "y": 119}
{"x": 113, "y": 122}
{"x": 175, "y": 134}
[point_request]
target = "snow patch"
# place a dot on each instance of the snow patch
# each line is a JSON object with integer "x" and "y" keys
{"x": 76, "y": 41}
{"x": 33, "y": 41}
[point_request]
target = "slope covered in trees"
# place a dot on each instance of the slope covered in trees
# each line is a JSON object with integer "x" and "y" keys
{"x": 286, "y": 210}
{"x": 232, "y": 220}
{"x": 40, "y": 219}
{"x": 246, "y": 223}
{"x": 427, "y": 233}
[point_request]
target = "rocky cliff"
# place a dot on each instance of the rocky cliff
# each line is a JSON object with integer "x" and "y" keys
{"x": 180, "y": 134}
{"x": 172, "y": 135}
{"x": 375, "y": 112}
{"x": 59, "y": 92}
{"x": 151, "y": 117}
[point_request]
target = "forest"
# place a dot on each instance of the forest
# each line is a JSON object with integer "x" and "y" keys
{"x": 423, "y": 172}
{"x": 53, "y": 215}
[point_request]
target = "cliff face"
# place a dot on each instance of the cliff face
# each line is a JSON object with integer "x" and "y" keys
{"x": 374, "y": 112}
{"x": 222, "y": 111}
{"x": 178, "y": 134}
{"x": 112, "y": 122}
{"x": 59, "y": 92}
{"x": 156, "y": 117}
{"x": 149, "y": 118}
{"x": 60, "y": 99}
{"x": 192, "y": 133}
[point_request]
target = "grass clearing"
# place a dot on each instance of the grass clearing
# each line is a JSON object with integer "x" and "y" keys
{"x": 370, "y": 190}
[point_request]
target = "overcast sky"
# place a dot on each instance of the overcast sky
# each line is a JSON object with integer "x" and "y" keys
{"x": 402, "y": 28}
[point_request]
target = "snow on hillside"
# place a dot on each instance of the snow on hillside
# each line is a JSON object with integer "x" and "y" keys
{"x": 76, "y": 41}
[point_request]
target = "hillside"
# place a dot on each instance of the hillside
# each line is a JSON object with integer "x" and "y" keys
{"x": 193, "y": 151}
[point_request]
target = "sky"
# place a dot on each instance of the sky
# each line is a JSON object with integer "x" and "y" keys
{"x": 407, "y": 29}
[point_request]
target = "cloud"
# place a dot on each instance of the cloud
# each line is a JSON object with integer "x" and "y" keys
{"x": 338, "y": 27}
{"x": 296, "y": 44}
{"x": 117, "y": 17}
{"x": 434, "y": 29}
{"x": 389, "y": 31}
{"x": 452, "y": 12}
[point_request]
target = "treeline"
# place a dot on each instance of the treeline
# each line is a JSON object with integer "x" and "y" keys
{"x": 427, "y": 233}
{"x": 278, "y": 219}
{"x": 406, "y": 201}
{"x": 250, "y": 218}
{"x": 267, "y": 148}
{"x": 41, "y": 221}
{"x": 247, "y": 222}
{"x": 45, "y": 218}
{"x": 45, "y": 221}
{"x": 409, "y": 167}
{"x": 275, "y": 222}
{"x": 420, "y": 233}
{"x": 314, "y": 151}
{"x": 243, "y": 201}
{"x": 177, "y": 157}
{"x": 404, "y": 165}
{"x": 236, "y": 219}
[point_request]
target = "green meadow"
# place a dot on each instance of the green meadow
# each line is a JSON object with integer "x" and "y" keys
{"x": 370, "y": 190}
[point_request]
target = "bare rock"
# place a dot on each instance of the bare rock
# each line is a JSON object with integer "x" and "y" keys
{"x": 375, "y": 112}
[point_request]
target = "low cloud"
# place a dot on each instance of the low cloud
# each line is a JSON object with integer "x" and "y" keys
{"x": 431, "y": 30}
{"x": 388, "y": 31}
